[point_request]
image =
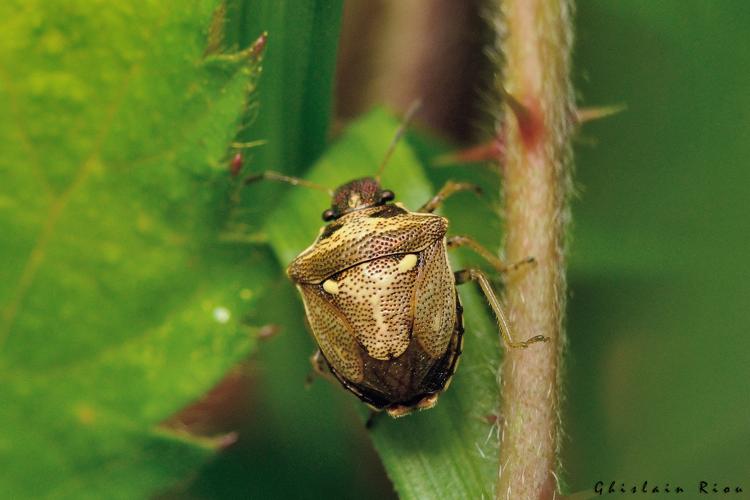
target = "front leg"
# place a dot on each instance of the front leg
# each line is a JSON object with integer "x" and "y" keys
{"x": 467, "y": 275}
{"x": 460, "y": 241}
{"x": 447, "y": 190}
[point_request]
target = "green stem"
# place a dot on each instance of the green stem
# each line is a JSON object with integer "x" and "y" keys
{"x": 537, "y": 128}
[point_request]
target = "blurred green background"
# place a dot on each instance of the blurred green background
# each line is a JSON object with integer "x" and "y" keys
{"x": 125, "y": 241}
{"x": 658, "y": 317}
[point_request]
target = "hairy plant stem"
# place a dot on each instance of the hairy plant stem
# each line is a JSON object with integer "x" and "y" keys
{"x": 535, "y": 38}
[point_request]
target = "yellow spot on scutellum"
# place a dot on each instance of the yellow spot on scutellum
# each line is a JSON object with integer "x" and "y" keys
{"x": 407, "y": 263}
{"x": 246, "y": 294}
{"x": 331, "y": 287}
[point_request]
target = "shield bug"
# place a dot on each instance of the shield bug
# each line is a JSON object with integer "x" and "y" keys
{"x": 380, "y": 295}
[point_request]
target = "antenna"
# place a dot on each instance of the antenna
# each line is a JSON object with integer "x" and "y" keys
{"x": 270, "y": 175}
{"x": 413, "y": 108}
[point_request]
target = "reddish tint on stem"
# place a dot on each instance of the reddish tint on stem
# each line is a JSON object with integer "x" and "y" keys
{"x": 530, "y": 120}
{"x": 487, "y": 151}
{"x": 535, "y": 40}
{"x": 531, "y": 127}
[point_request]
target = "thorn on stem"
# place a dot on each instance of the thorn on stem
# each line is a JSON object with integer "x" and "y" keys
{"x": 259, "y": 45}
{"x": 583, "y": 115}
{"x": 492, "y": 150}
{"x": 493, "y": 418}
{"x": 530, "y": 123}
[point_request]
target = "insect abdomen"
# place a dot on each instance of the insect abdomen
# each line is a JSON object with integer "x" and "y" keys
{"x": 407, "y": 380}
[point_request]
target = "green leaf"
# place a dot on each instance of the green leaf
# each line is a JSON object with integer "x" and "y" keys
{"x": 294, "y": 442}
{"x": 451, "y": 450}
{"x": 297, "y": 86}
{"x": 119, "y": 304}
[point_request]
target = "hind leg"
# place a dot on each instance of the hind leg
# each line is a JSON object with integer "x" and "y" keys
{"x": 319, "y": 368}
{"x": 466, "y": 275}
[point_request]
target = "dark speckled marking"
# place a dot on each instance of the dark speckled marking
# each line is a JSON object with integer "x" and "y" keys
{"x": 384, "y": 212}
{"x": 387, "y": 211}
{"x": 330, "y": 229}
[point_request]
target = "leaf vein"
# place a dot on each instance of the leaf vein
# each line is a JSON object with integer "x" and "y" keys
{"x": 36, "y": 256}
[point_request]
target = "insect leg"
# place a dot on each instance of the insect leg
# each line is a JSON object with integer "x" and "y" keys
{"x": 447, "y": 190}
{"x": 491, "y": 258}
{"x": 471, "y": 274}
{"x": 319, "y": 368}
{"x": 371, "y": 419}
{"x": 270, "y": 175}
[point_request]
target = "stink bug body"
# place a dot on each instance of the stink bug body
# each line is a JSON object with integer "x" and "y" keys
{"x": 380, "y": 296}
{"x": 381, "y": 299}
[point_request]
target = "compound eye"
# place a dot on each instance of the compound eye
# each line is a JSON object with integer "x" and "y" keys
{"x": 329, "y": 215}
{"x": 387, "y": 195}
